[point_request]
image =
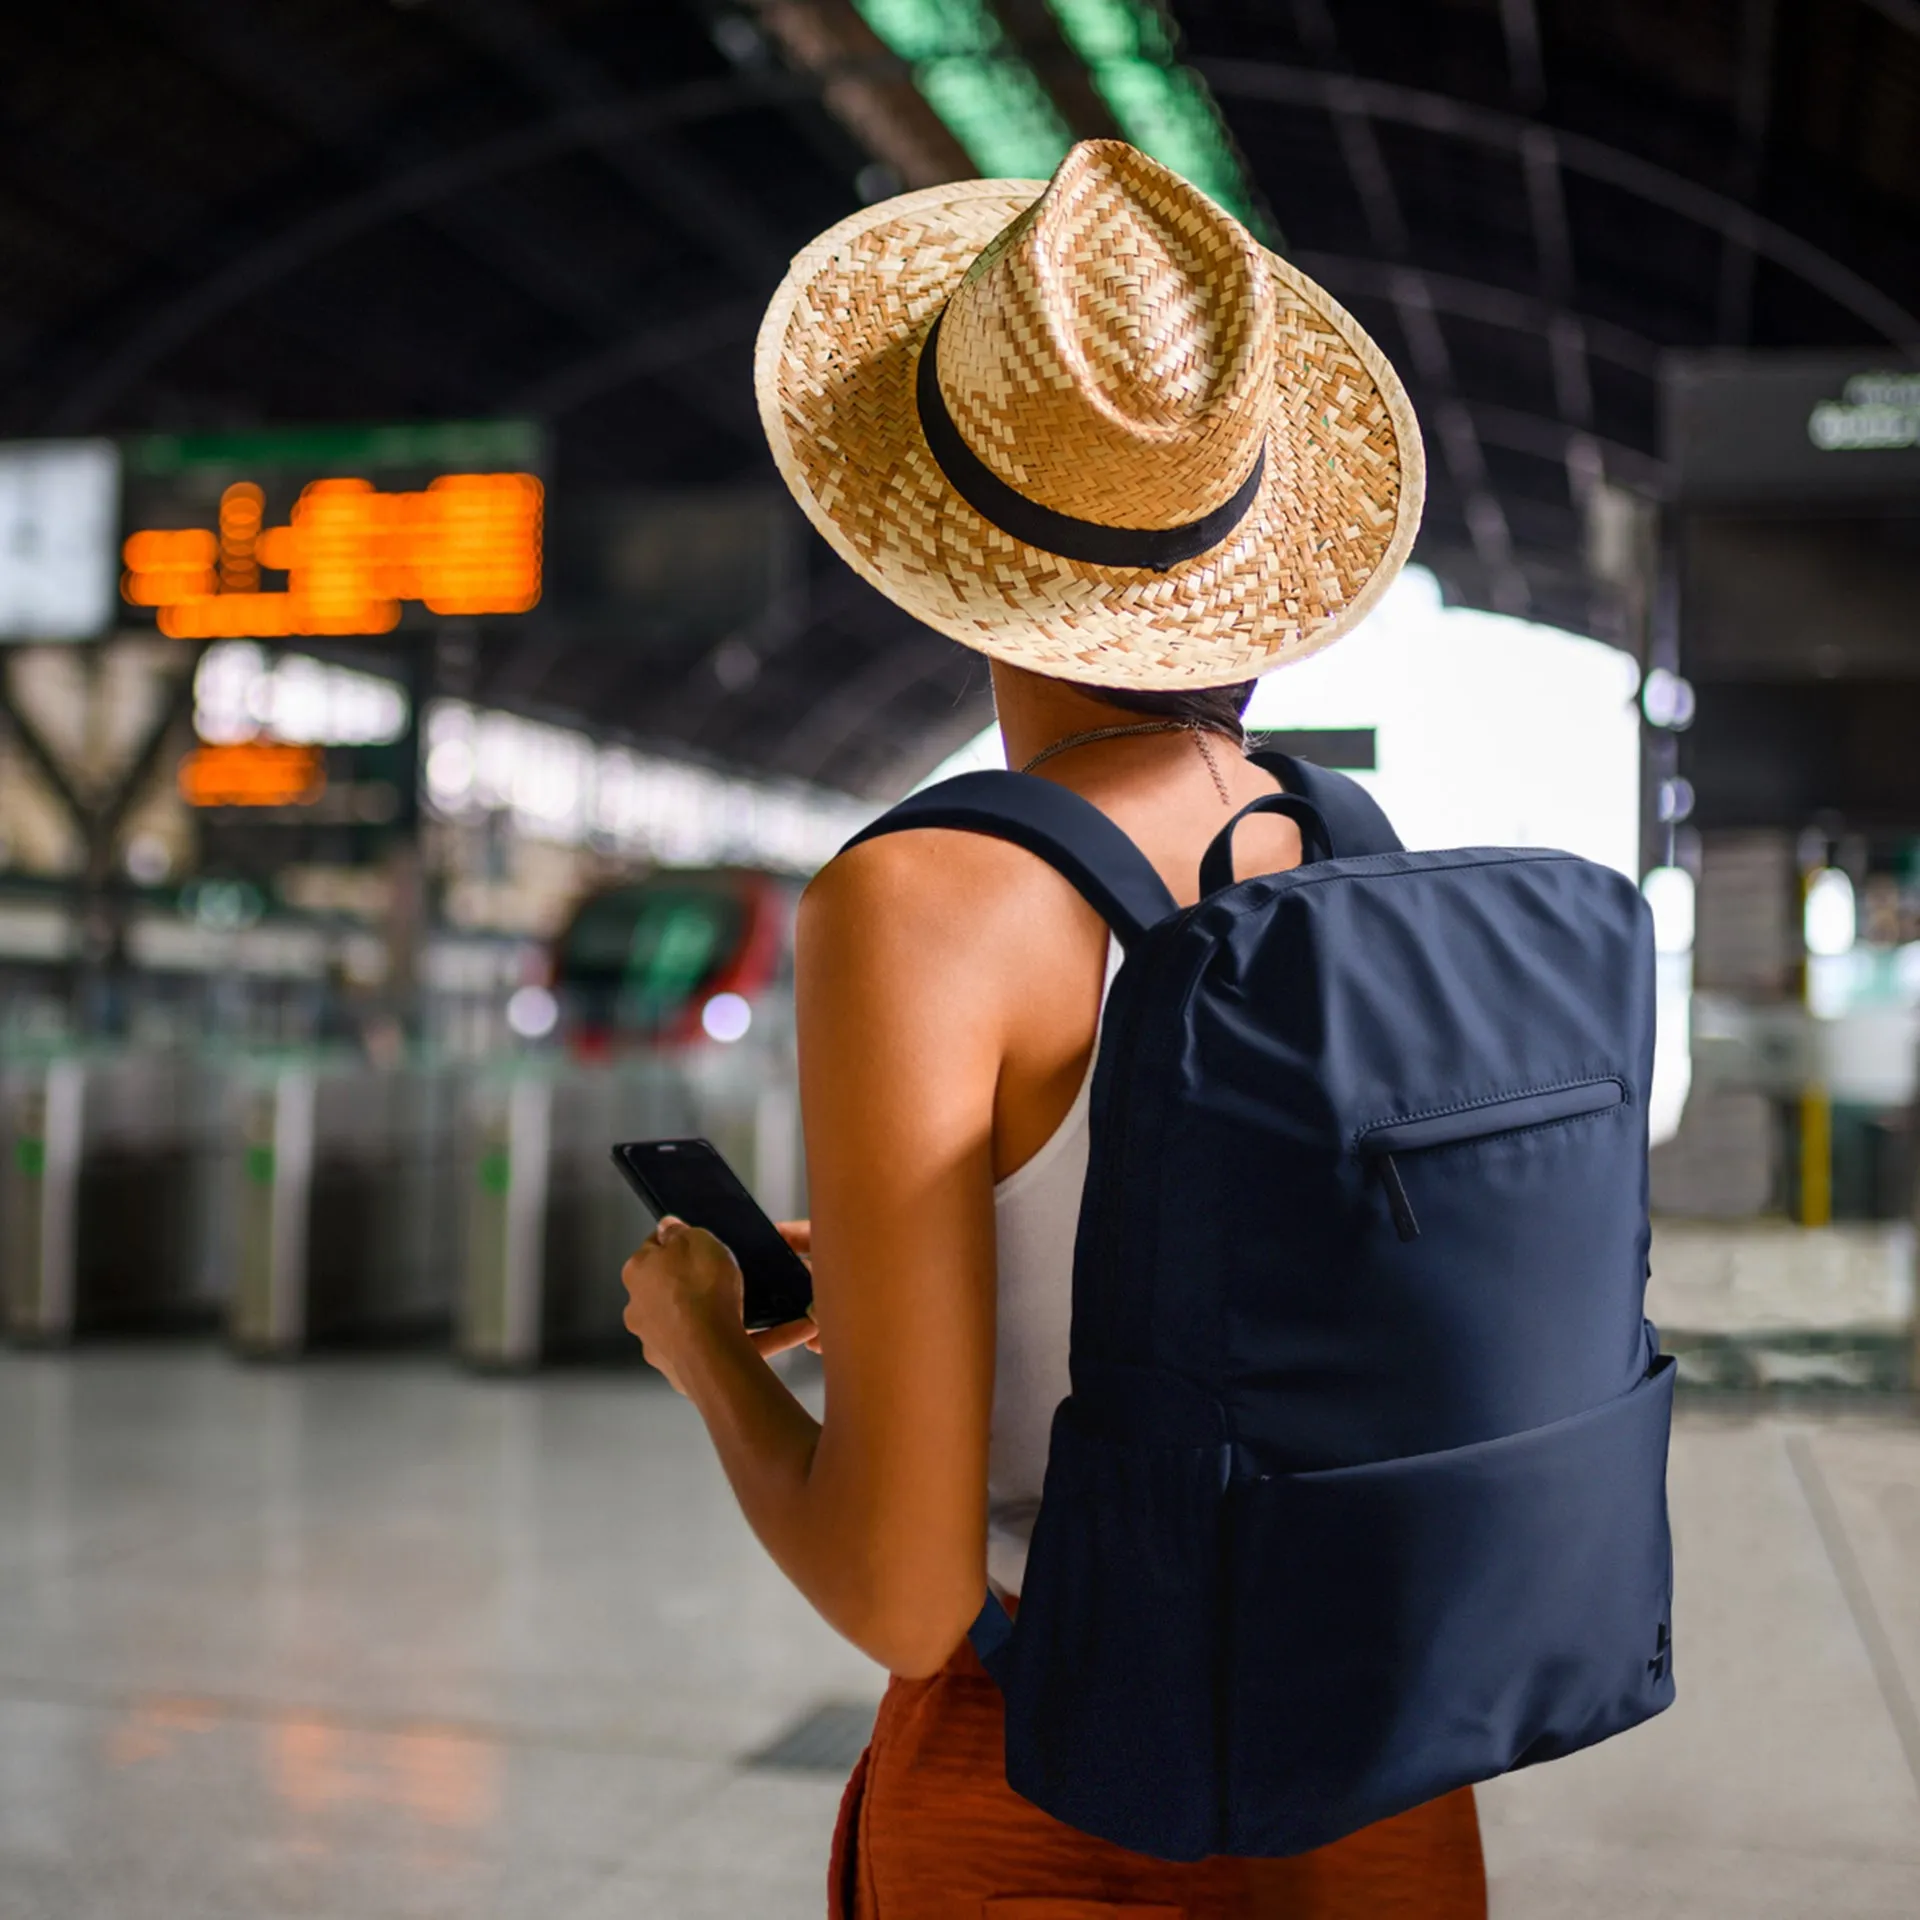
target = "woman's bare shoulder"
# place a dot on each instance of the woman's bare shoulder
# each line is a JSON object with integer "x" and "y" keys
{"x": 944, "y": 895}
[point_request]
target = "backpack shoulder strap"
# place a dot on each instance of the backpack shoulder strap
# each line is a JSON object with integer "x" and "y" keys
{"x": 1070, "y": 834}
{"x": 1353, "y": 816}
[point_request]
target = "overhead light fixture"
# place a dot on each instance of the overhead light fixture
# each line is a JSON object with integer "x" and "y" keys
{"x": 971, "y": 73}
{"x": 972, "y": 76}
{"x": 1164, "y": 108}
{"x": 240, "y": 694}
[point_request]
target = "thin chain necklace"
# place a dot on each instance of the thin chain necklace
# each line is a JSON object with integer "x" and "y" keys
{"x": 1198, "y": 729}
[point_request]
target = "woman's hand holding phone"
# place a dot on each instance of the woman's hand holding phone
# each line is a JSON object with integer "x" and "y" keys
{"x": 683, "y": 1284}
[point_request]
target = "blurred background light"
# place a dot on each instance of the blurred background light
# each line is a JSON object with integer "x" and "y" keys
{"x": 532, "y": 1012}
{"x": 59, "y": 504}
{"x": 561, "y": 786}
{"x": 1670, "y": 897}
{"x": 241, "y": 692}
{"x": 1829, "y": 921}
{"x": 1667, "y": 700}
{"x": 148, "y": 859}
{"x": 726, "y": 1017}
{"x": 1673, "y": 801}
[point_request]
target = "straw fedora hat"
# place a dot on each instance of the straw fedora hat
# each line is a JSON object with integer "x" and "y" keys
{"x": 1090, "y": 426}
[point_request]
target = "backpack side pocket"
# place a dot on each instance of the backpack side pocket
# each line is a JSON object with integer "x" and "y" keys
{"x": 1112, "y": 1680}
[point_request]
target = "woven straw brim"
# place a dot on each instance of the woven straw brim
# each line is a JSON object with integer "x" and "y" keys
{"x": 1332, "y": 524}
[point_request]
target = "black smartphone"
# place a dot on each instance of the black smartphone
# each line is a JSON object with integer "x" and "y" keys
{"x": 689, "y": 1179}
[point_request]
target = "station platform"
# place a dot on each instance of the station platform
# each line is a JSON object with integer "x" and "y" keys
{"x": 379, "y": 1640}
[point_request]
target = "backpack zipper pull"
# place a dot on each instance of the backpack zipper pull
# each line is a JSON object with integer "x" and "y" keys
{"x": 1404, "y": 1224}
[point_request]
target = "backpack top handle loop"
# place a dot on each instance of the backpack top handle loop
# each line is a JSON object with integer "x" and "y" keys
{"x": 1359, "y": 827}
{"x": 1316, "y": 843}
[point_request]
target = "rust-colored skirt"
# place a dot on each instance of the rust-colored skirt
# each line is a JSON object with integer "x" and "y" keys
{"x": 930, "y": 1830}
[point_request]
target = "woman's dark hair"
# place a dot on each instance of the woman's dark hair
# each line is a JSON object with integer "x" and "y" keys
{"x": 1220, "y": 708}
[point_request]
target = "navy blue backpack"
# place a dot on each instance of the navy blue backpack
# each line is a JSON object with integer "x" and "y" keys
{"x": 1360, "y": 1492}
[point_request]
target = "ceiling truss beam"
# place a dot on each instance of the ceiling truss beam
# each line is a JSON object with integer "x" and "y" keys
{"x": 1367, "y": 169}
{"x": 169, "y": 324}
{"x": 1441, "y": 114}
{"x": 652, "y": 162}
{"x": 1490, "y": 305}
{"x": 1753, "y": 110}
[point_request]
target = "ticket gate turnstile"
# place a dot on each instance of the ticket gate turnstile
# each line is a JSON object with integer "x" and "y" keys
{"x": 343, "y": 1190}
{"x": 549, "y": 1221}
{"x": 105, "y": 1214}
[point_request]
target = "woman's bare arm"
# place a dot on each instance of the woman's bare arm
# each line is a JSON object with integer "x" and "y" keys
{"x": 877, "y": 1515}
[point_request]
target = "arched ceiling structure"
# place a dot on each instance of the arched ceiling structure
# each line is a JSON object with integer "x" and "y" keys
{"x": 218, "y": 215}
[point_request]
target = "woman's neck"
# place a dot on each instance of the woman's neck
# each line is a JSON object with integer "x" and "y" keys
{"x": 1035, "y": 713}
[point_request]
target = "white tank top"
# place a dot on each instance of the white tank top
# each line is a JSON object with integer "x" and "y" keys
{"x": 1036, "y": 1212}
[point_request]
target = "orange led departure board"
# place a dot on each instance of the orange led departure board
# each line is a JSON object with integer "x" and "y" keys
{"x": 467, "y": 543}
{"x": 253, "y": 773}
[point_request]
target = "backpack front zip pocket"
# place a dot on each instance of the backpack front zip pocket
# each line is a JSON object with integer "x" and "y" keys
{"x": 1379, "y": 1145}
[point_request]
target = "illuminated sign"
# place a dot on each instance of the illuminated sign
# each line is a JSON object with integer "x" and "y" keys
{"x": 1791, "y": 429}
{"x": 253, "y": 773}
{"x": 469, "y": 543}
{"x": 59, "y": 500}
{"x": 1874, "y": 410}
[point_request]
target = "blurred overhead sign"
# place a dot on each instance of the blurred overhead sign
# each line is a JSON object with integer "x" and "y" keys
{"x": 456, "y": 525}
{"x": 1875, "y": 410}
{"x": 1801, "y": 428}
{"x": 254, "y": 773}
{"x": 59, "y": 503}
{"x": 468, "y": 543}
{"x": 443, "y": 444}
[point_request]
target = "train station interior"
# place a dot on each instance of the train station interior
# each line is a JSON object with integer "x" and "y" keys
{"x": 422, "y": 707}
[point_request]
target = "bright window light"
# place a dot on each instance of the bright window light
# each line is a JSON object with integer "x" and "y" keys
{"x": 1488, "y": 731}
{"x": 1828, "y": 921}
{"x": 726, "y": 1018}
{"x": 986, "y": 752}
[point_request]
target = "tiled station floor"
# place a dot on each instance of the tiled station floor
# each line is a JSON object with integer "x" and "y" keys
{"x": 372, "y": 1639}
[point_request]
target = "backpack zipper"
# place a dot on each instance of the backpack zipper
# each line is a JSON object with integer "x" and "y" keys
{"x": 1378, "y": 1145}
